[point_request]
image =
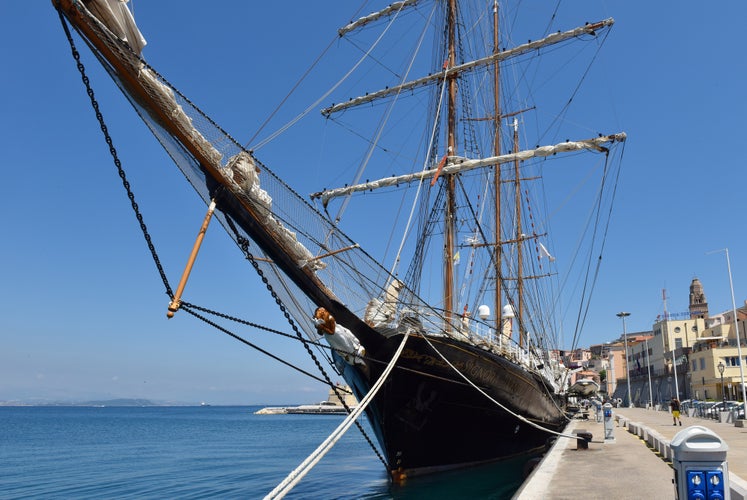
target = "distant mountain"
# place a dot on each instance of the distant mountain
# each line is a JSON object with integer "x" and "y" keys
{"x": 104, "y": 402}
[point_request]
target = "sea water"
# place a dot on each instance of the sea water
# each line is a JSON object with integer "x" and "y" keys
{"x": 205, "y": 452}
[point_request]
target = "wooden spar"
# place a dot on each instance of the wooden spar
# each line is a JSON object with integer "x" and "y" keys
{"x": 176, "y": 301}
{"x": 334, "y": 252}
{"x": 497, "y": 118}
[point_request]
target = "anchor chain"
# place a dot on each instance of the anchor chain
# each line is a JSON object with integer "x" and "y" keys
{"x": 244, "y": 246}
{"x": 115, "y": 156}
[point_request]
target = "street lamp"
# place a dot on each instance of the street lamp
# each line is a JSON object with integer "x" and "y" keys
{"x": 624, "y": 315}
{"x": 723, "y": 393}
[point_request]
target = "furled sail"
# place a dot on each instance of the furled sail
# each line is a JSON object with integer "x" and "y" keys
{"x": 390, "y": 9}
{"x": 485, "y": 61}
{"x": 117, "y": 17}
{"x": 456, "y": 165}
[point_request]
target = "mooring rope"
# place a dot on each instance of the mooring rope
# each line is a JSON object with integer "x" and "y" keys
{"x": 294, "y": 477}
{"x": 502, "y": 407}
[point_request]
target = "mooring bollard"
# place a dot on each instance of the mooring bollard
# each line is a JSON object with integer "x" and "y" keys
{"x": 583, "y": 438}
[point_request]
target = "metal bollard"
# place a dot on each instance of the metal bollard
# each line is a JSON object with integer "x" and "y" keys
{"x": 700, "y": 467}
{"x": 609, "y": 423}
{"x": 583, "y": 438}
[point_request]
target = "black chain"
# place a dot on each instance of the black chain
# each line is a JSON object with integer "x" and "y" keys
{"x": 115, "y": 156}
{"x": 243, "y": 244}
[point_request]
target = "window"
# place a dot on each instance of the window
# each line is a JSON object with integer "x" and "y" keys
{"x": 677, "y": 329}
{"x": 678, "y": 343}
{"x": 695, "y": 365}
{"x": 702, "y": 363}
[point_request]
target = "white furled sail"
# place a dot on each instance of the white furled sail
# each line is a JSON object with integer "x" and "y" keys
{"x": 117, "y": 17}
{"x": 391, "y": 9}
{"x": 485, "y": 61}
{"x": 456, "y": 165}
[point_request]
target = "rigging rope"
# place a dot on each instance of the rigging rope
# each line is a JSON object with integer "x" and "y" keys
{"x": 322, "y": 97}
{"x": 244, "y": 245}
{"x": 296, "y": 475}
{"x": 390, "y": 109}
{"x": 422, "y": 180}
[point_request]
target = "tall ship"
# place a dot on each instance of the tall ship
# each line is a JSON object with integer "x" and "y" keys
{"x": 428, "y": 277}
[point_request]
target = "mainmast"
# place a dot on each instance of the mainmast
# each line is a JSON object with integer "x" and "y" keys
{"x": 450, "y": 214}
{"x": 498, "y": 307}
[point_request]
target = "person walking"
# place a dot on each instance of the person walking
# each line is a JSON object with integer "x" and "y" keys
{"x": 675, "y": 406}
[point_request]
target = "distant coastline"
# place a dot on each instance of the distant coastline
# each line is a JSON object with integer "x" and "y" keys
{"x": 119, "y": 402}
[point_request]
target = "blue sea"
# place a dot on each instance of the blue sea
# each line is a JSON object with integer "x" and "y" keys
{"x": 204, "y": 452}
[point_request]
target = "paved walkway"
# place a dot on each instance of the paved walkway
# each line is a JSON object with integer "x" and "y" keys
{"x": 625, "y": 467}
{"x": 661, "y": 422}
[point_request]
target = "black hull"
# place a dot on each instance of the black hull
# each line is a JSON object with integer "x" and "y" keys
{"x": 427, "y": 418}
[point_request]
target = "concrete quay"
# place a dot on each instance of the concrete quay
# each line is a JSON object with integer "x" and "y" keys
{"x": 635, "y": 464}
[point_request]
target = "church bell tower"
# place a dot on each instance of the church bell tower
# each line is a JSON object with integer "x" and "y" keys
{"x": 698, "y": 302}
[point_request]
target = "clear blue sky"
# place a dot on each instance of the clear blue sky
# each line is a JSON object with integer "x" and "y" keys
{"x": 82, "y": 308}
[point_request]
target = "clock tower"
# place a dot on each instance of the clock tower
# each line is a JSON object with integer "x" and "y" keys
{"x": 698, "y": 302}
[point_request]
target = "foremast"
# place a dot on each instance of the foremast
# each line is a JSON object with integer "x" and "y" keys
{"x": 450, "y": 218}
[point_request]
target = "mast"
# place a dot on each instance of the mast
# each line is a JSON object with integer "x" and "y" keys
{"x": 519, "y": 241}
{"x": 497, "y": 174}
{"x": 450, "y": 214}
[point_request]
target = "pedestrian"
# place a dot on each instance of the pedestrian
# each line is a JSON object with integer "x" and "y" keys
{"x": 675, "y": 406}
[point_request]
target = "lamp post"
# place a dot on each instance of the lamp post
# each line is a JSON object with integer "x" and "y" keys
{"x": 624, "y": 315}
{"x": 723, "y": 393}
{"x": 648, "y": 365}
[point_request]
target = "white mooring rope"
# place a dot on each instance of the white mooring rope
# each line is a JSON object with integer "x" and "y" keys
{"x": 294, "y": 477}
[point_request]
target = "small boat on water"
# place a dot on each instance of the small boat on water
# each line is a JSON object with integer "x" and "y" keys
{"x": 322, "y": 408}
{"x": 339, "y": 400}
{"x": 449, "y": 329}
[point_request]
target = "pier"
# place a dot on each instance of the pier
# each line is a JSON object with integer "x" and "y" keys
{"x": 635, "y": 464}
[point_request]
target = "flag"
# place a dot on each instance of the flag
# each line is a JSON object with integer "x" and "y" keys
{"x": 456, "y": 258}
{"x": 544, "y": 253}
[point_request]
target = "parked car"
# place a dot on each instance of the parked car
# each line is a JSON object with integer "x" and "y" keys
{"x": 702, "y": 407}
{"x": 713, "y": 411}
{"x": 685, "y": 405}
{"x": 738, "y": 410}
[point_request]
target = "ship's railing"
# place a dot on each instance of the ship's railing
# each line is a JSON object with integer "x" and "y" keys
{"x": 484, "y": 336}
